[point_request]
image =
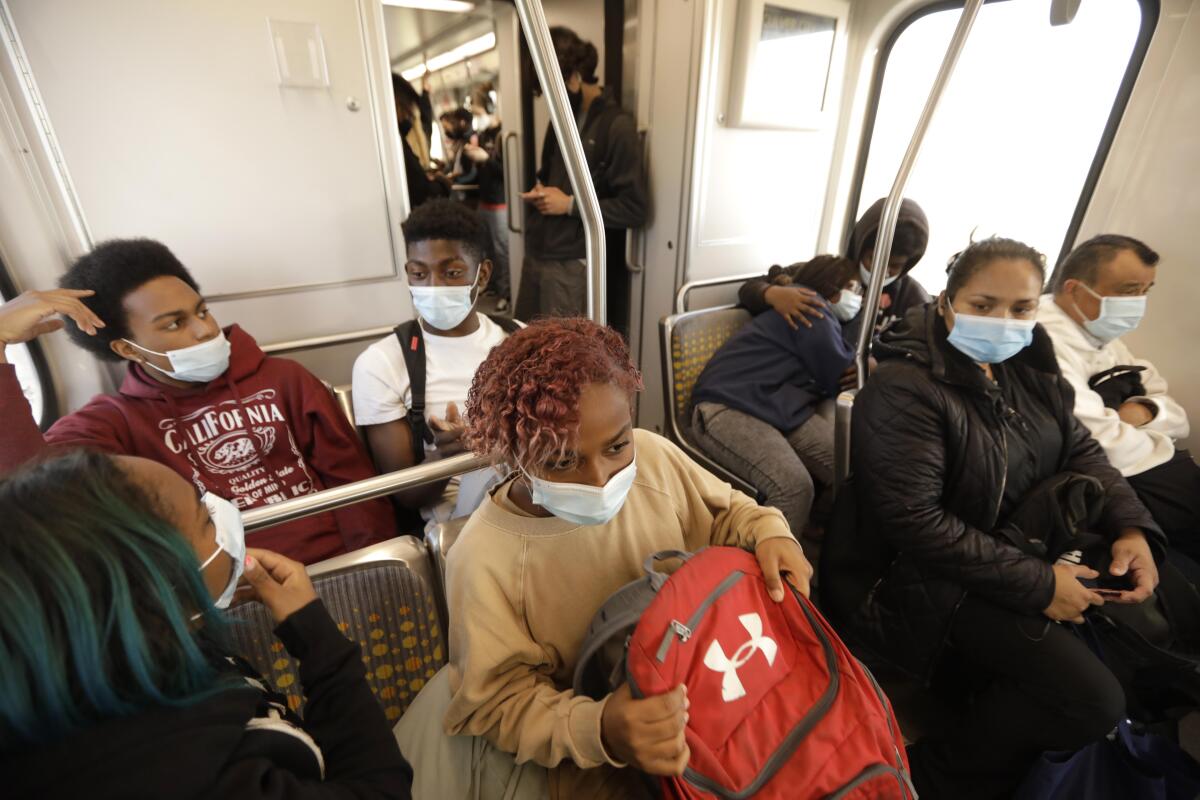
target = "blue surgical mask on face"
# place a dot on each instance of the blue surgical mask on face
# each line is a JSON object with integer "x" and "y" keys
{"x": 231, "y": 540}
{"x": 199, "y": 363}
{"x": 848, "y": 305}
{"x": 1118, "y": 316}
{"x": 444, "y": 307}
{"x": 990, "y": 340}
{"x": 582, "y": 504}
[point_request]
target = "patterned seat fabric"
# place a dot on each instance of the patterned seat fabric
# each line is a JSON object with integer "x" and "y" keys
{"x": 383, "y": 606}
{"x": 694, "y": 339}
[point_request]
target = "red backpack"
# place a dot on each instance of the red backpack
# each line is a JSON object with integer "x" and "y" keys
{"x": 779, "y": 706}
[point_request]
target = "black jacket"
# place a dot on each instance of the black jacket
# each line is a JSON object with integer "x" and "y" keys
{"x": 928, "y": 455}
{"x": 898, "y": 296}
{"x": 239, "y": 743}
{"x": 610, "y": 145}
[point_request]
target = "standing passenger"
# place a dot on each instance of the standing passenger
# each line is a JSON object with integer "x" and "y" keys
{"x": 755, "y": 401}
{"x": 1100, "y": 294}
{"x": 553, "y": 278}
{"x": 966, "y": 415}
{"x": 446, "y": 271}
{"x": 587, "y": 500}
{"x": 206, "y": 402}
{"x": 486, "y": 150}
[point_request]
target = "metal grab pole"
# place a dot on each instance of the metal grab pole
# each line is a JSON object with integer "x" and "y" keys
{"x": 541, "y": 47}
{"x": 891, "y": 207}
{"x": 351, "y": 493}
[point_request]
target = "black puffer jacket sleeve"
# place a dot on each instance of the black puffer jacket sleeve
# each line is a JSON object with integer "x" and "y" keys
{"x": 899, "y": 435}
{"x": 362, "y": 759}
{"x": 1122, "y": 508}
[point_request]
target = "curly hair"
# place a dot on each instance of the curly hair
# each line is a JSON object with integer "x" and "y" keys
{"x": 443, "y": 218}
{"x": 523, "y": 407}
{"x": 113, "y": 270}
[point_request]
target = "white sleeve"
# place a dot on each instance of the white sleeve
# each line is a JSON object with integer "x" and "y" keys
{"x": 1125, "y": 445}
{"x": 379, "y": 388}
{"x": 1171, "y": 419}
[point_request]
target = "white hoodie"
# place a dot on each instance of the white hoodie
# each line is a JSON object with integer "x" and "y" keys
{"x": 1132, "y": 450}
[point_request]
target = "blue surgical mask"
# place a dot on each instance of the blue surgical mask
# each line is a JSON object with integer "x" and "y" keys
{"x": 847, "y": 306}
{"x": 444, "y": 307}
{"x": 231, "y": 540}
{"x": 582, "y": 504}
{"x": 1118, "y": 316}
{"x": 200, "y": 363}
{"x": 990, "y": 340}
{"x": 866, "y": 277}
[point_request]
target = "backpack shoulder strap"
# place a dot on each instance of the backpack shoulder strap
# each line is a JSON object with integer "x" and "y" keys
{"x": 412, "y": 345}
{"x": 507, "y": 324}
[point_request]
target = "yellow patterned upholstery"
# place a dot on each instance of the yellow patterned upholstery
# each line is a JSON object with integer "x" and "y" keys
{"x": 382, "y": 605}
{"x": 694, "y": 339}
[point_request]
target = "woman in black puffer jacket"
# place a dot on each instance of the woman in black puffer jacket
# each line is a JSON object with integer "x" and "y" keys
{"x": 966, "y": 414}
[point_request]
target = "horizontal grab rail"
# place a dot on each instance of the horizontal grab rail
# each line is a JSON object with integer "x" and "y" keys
{"x": 351, "y": 493}
{"x": 686, "y": 289}
{"x": 349, "y": 337}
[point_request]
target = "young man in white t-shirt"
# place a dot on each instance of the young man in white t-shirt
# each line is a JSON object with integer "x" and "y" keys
{"x": 446, "y": 270}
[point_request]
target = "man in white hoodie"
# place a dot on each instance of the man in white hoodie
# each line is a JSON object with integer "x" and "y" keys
{"x": 1099, "y": 294}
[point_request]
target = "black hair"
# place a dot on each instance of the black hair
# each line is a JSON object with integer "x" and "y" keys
{"x": 113, "y": 270}
{"x": 908, "y": 241}
{"x": 574, "y": 54}
{"x": 404, "y": 91}
{"x": 443, "y": 218}
{"x": 1084, "y": 262}
{"x": 826, "y": 274}
{"x": 460, "y": 122}
{"x": 964, "y": 265}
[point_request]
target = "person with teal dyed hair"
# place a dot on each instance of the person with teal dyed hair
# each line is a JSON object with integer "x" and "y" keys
{"x": 115, "y": 675}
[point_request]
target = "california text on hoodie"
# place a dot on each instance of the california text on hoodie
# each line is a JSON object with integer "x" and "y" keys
{"x": 1132, "y": 450}
{"x": 239, "y": 743}
{"x": 898, "y": 296}
{"x": 265, "y": 431}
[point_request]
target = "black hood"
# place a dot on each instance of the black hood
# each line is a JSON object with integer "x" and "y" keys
{"x": 868, "y": 225}
{"x": 164, "y": 752}
{"x": 920, "y": 336}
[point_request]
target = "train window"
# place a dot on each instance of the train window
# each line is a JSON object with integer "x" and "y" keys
{"x": 1019, "y": 125}
{"x": 32, "y": 370}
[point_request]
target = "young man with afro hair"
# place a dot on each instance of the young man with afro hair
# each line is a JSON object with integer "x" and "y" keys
{"x": 203, "y": 400}
{"x": 447, "y": 268}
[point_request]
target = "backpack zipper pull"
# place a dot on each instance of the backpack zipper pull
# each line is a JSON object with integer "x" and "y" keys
{"x": 674, "y": 629}
{"x": 682, "y": 631}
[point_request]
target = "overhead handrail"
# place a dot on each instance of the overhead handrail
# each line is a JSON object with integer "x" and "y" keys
{"x": 541, "y": 48}
{"x": 891, "y": 207}
{"x": 351, "y": 493}
{"x": 682, "y": 295}
{"x": 884, "y": 240}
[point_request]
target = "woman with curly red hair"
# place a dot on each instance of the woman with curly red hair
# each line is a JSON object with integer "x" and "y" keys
{"x": 587, "y": 499}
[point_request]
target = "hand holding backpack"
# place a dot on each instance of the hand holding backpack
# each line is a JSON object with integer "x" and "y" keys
{"x": 779, "y": 706}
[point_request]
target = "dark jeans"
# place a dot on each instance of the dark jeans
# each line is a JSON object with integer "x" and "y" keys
{"x": 1041, "y": 688}
{"x": 1171, "y": 493}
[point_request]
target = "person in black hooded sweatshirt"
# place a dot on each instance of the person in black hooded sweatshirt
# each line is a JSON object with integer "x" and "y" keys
{"x": 118, "y": 680}
{"x": 798, "y": 304}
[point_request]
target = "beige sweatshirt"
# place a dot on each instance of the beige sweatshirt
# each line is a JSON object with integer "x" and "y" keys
{"x": 522, "y": 591}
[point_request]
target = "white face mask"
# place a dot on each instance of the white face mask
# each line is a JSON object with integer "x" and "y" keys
{"x": 1118, "y": 316}
{"x": 197, "y": 364}
{"x": 582, "y": 504}
{"x": 866, "y": 277}
{"x": 848, "y": 305}
{"x": 444, "y": 307}
{"x": 231, "y": 539}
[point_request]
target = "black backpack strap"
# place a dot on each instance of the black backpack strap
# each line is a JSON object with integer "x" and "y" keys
{"x": 507, "y": 324}
{"x": 412, "y": 345}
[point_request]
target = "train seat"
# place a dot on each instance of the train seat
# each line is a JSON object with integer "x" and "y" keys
{"x": 689, "y": 340}
{"x": 438, "y": 540}
{"x": 385, "y": 598}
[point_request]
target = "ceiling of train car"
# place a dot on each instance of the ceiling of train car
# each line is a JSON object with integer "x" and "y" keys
{"x": 411, "y": 31}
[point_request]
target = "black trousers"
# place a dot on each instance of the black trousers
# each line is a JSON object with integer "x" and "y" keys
{"x": 1039, "y": 688}
{"x": 1171, "y": 493}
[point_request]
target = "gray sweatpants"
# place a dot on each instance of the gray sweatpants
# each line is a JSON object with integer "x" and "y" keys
{"x": 782, "y": 467}
{"x": 552, "y": 288}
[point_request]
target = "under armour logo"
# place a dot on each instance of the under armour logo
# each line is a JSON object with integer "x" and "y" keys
{"x": 716, "y": 660}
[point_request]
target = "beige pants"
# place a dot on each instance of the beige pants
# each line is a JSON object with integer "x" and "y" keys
{"x": 471, "y": 768}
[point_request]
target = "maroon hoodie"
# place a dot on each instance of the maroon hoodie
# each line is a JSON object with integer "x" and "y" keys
{"x": 265, "y": 431}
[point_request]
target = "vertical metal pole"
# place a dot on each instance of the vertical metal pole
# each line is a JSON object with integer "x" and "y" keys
{"x": 891, "y": 207}
{"x": 541, "y": 48}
